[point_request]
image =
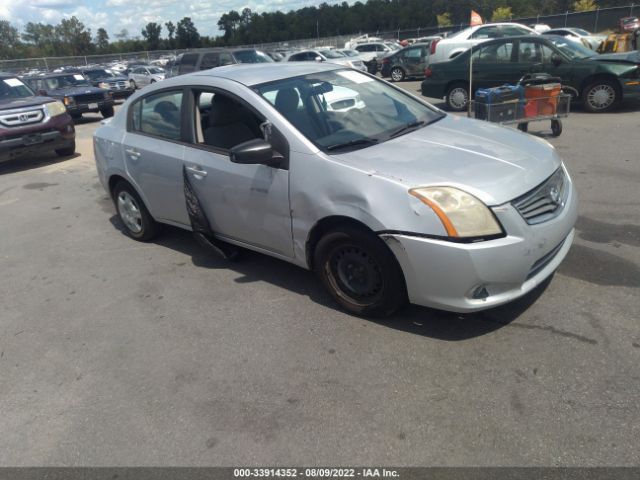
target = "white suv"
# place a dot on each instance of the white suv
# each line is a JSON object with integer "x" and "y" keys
{"x": 454, "y": 45}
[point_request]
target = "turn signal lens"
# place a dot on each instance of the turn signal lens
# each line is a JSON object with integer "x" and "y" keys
{"x": 69, "y": 100}
{"x": 461, "y": 214}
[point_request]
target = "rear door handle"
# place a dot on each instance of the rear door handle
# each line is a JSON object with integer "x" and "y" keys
{"x": 133, "y": 154}
{"x": 198, "y": 173}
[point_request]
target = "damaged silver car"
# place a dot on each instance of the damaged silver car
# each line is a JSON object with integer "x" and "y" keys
{"x": 388, "y": 200}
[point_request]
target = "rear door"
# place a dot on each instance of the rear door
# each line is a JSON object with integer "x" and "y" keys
{"x": 153, "y": 150}
{"x": 415, "y": 60}
{"x": 493, "y": 65}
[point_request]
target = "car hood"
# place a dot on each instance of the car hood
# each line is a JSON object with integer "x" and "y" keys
{"x": 24, "y": 102}
{"x": 494, "y": 163}
{"x": 625, "y": 57}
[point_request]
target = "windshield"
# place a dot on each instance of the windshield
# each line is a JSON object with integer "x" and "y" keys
{"x": 581, "y": 32}
{"x": 344, "y": 110}
{"x": 75, "y": 80}
{"x": 252, "y": 56}
{"x": 350, "y": 53}
{"x": 11, "y": 88}
{"x": 393, "y": 46}
{"x": 573, "y": 50}
{"x": 331, "y": 54}
{"x": 98, "y": 74}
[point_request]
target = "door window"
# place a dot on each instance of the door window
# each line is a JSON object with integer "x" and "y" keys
{"x": 413, "y": 53}
{"x": 498, "y": 53}
{"x": 547, "y": 53}
{"x": 209, "y": 60}
{"x": 188, "y": 63}
{"x": 485, "y": 32}
{"x": 222, "y": 122}
{"x": 529, "y": 52}
{"x": 158, "y": 115}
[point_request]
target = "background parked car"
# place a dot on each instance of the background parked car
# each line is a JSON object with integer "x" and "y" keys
{"x": 578, "y": 35}
{"x": 456, "y": 44}
{"x": 373, "y": 52}
{"x": 216, "y": 57}
{"x": 31, "y": 124}
{"x": 141, "y": 76}
{"x": 600, "y": 81}
{"x": 409, "y": 62}
{"x": 75, "y": 92}
{"x": 326, "y": 55}
{"x": 119, "y": 85}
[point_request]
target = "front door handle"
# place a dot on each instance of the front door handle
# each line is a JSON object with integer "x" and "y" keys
{"x": 133, "y": 154}
{"x": 198, "y": 173}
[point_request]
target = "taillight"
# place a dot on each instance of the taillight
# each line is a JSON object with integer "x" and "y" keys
{"x": 428, "y": 72}
{"x": 434, "y": 43}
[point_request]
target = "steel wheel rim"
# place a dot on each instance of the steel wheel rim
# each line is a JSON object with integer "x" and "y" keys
{"x": 129, "y": 212}
{"x": 458, "y": 97}
{"x": 396, "y": 74}
{"x": 355, "y": 274}
{"x": 601, "y": 97}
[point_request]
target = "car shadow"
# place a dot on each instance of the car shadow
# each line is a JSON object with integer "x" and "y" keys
{"x": 416, "y": 320}
{"x": 42, "y": 160}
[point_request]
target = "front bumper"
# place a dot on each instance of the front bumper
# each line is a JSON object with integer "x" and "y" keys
{"x": 446, "y": 275}
{"x": 118, "y": 94}
{"x": 33, "y": 143}
{"x": 79, "y": 108}
{"x": 432, "y": 90}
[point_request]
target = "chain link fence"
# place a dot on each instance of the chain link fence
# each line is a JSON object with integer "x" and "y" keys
{"x": 604, "y": 19}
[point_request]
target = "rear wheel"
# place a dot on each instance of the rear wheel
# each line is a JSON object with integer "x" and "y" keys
{"x": 107, "y": 112}
{"x": 138, "y": 222}
{"x": 600, "y": 96}
{"x": 360, "y": 272}
{"x": 397, "y": 74}
{"x": 67, "y": 151}
{"x": 457, "y": 97}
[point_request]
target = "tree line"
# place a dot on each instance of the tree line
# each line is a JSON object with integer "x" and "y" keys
{"x": 71, "y": 37}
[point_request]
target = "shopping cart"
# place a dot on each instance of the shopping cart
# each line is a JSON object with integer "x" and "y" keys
{"x": 535, "y": 98}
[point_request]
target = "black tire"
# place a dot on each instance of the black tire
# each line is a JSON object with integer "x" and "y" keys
{"x": 67, "y": 151}
{"x": 350, "y": 254}
{"x": 397, "y": 74}
{"x": 523, "y": 127}
{"x": 453, "y": 99}
{"x": 147, "y": 228}
{"x": 107, "y": 112}
{"x": 601, "y": 96}
{"x": 556, "y": 128}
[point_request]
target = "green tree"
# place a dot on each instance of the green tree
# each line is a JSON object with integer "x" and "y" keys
{"x": 75, "y": 37}
{"x": 444, "y": 20}
{"x": 187, "y": 35}
{"x": 171, "y": 30}
{"x": 502, "y": 14}
{"x": 9, "y": 38}
{"x": 585, "y": 5}
{"x": 102, "y": 39}
{"x": 151, "y": 34}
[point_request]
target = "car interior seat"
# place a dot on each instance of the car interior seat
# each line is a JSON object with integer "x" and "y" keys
{"x": 227, "y": 124}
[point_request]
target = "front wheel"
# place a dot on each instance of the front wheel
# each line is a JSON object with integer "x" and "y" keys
{"x": 397, "y": 74}
{"x": 600, "y": 96}
{"x": 107, "y": 112}
{"x": 138, "y": 222}
{"x": 360, "y": 272}
{"x": 457, "y": 97}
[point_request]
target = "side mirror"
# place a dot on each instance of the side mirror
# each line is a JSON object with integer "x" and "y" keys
{"x": 319, "y": 59}
{"x": 255, "y": 152}
{"x": 556, "y": 59}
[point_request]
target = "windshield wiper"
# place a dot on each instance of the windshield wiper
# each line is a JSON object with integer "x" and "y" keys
{"x": 352, "y": 143}
{"x": 407, "y": 127}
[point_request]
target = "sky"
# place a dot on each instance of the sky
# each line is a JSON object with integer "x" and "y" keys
{"x": 133, "y": 15}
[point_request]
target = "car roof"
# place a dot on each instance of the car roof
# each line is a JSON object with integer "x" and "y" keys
{"x": 52, "y": 75}
{"x": 256, "y": 73}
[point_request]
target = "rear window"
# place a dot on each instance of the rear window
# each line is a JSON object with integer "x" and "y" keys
{"x": 188, "y": 63}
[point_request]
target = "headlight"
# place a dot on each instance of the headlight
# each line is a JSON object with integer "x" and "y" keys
{"x": 55, "y": 108}
{"x": 462, "y": 214}
{"x": 69, "y": 101}
{"x": 104, "y": 85}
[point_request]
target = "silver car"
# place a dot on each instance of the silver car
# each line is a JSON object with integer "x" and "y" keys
{"x": 393, "y": 202}
{"x": 142, "y": 76}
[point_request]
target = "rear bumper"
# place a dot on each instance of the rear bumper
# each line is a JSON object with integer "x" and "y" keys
{"x": 80, "y": 108}
{"x": 449, "y": 276}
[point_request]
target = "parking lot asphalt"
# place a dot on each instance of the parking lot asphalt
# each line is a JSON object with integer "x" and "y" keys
{"x": 114, "y": 352}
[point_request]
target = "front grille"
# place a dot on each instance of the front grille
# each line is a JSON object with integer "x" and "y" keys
{"x": 22, "y": 135}
{"x": 544, "y": 261}
{"x": 19, "y": 118}
{"x": 545, "y": 201}
{"x": 118, "y": 85}
{"x": 89, "y": 97}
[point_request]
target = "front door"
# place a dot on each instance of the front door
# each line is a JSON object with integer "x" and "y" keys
{"x": 248, "y": 203}
{"x": 153, "y": 154}
{"x": 493, "y": 65}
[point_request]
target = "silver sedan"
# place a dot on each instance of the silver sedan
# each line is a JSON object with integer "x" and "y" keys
{"x": 391, "y": 202}
{"x": 142, "y": 76}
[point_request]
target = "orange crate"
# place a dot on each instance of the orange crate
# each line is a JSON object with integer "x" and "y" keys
{"x": 541, "y": 100}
